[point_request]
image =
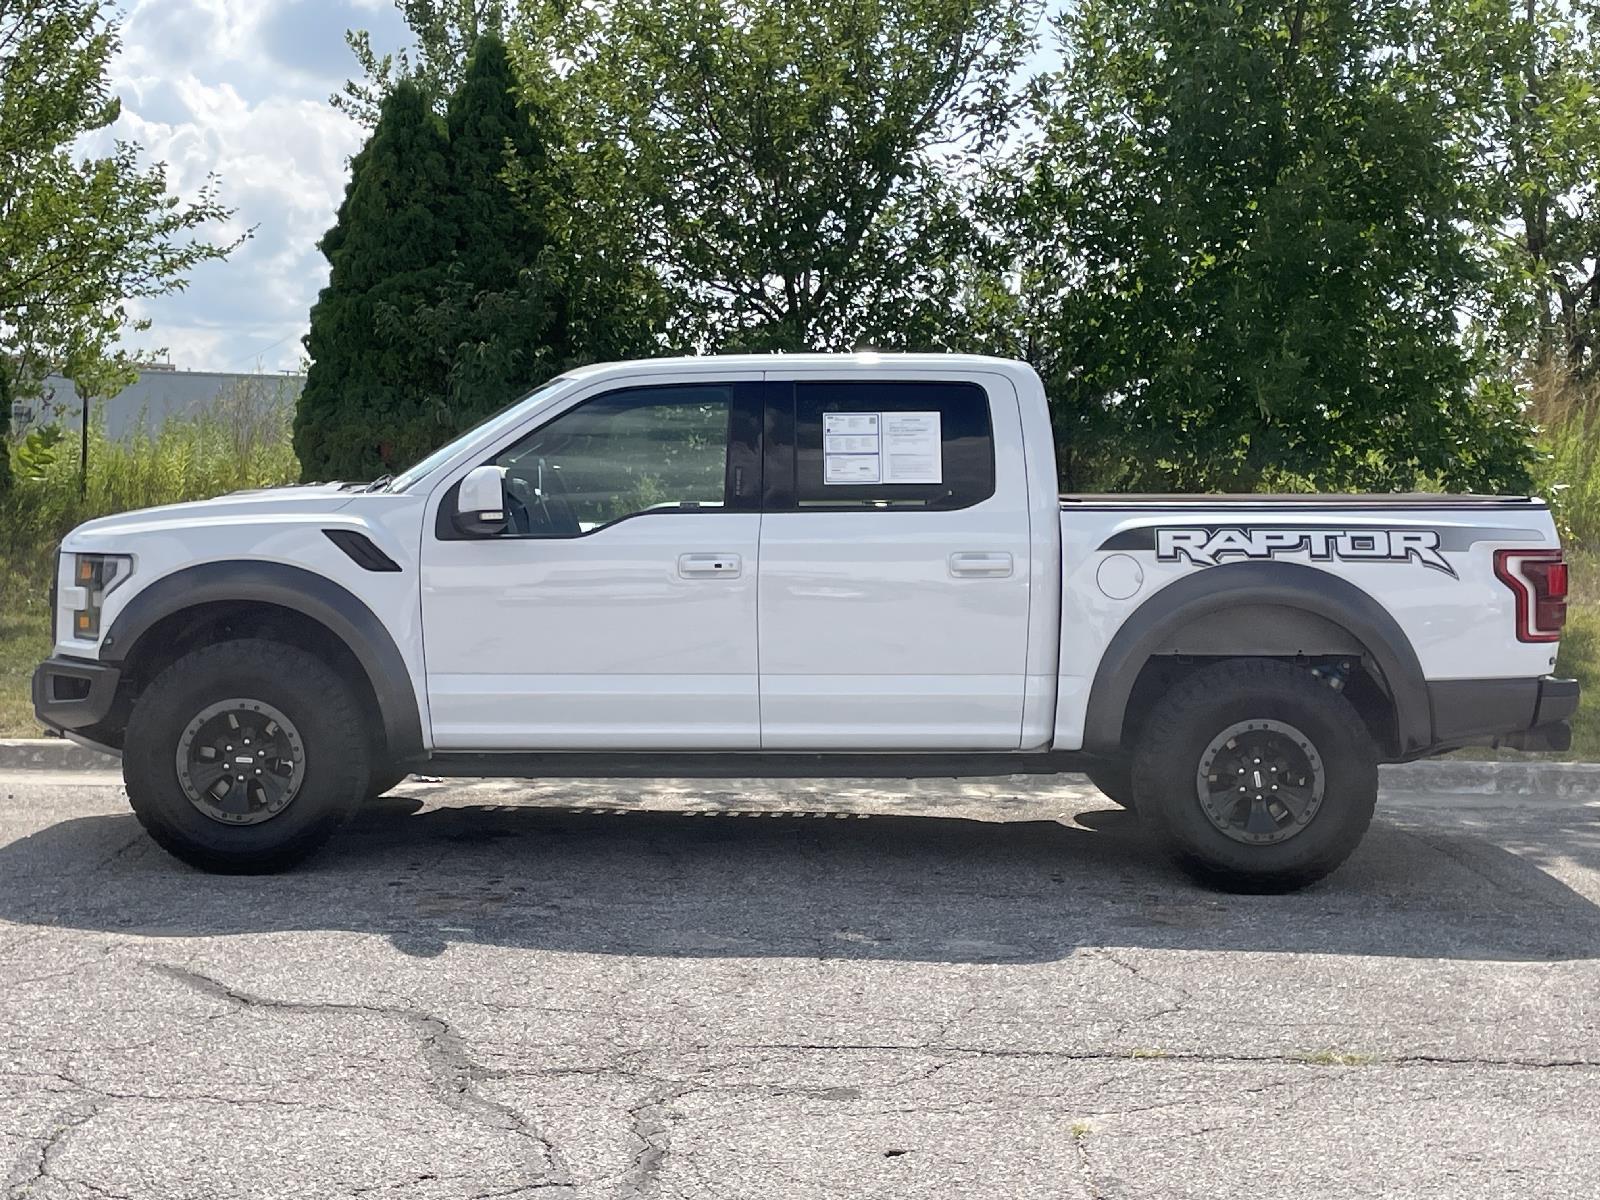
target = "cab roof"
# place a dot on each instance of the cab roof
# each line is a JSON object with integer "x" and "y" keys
{"x": 865, "y": 361}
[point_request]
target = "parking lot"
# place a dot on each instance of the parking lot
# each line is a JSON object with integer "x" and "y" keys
{"x": 810, "y": 990}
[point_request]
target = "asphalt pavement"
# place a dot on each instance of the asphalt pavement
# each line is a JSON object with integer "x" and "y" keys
{"x": 838, "y": 989}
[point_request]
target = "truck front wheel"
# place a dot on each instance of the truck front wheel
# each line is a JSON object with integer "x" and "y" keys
{"x": 1256, "y": 776}
{"x": 245, "y": 756}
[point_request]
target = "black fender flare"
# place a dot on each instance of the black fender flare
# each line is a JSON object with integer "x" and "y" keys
{"x": 298, "y": 590}
{"x": 1277, "y": 584}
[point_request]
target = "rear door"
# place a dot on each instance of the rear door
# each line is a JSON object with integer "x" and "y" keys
{"x": 894, "y": 576}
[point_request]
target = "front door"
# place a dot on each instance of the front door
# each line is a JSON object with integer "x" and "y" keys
{"x": 895, "y": 566}
{"x": 618, "y": 610}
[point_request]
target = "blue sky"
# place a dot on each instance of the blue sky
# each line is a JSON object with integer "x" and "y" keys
{"x": 240, "y": 88}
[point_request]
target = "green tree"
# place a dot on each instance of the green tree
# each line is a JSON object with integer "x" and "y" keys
{"x": 760, "y": 175}
{"x": 375, "y": 391}
{"x": 80, "y": 235}
{"x": 445, "y": 33}
{"x": 1527, "y": 77}
{"x": 1243, "y": 237}
{"x": 501, "y": 314}
{"x": 796, "y": 173}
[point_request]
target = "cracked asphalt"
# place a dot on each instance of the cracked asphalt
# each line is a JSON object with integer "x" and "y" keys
{"x": 830, "y": 989}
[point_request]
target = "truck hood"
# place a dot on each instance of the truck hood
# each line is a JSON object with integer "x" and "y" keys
{"x": 259, "y": 504}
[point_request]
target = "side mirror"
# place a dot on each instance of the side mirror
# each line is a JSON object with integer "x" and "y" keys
{"x": 481, "y": 502}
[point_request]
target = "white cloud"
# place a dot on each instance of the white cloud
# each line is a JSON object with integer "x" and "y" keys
{"x": 239, "y": 88}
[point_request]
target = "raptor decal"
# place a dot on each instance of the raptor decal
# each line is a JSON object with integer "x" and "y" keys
{"x": 1208, "y": 546}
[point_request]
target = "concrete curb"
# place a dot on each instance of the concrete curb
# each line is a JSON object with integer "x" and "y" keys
{"x": 1463, "y": 777}
{"x": 52, "y": 754}
{"x": 1440, "y": 777}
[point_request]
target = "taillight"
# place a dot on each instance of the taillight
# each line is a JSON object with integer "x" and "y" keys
{"x": 1538, "y": 578}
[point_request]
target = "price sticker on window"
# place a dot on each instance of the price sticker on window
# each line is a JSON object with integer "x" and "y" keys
{"x": 881, "y": 447}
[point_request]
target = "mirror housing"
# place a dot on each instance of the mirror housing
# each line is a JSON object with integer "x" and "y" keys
{"x": 481, "y": 502}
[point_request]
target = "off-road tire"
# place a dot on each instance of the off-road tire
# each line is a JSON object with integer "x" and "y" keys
{"x": 1176, "y": 737}
{"x": 301, "y": 687}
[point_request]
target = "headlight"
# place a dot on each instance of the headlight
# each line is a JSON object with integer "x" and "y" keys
{"x": 97, "y": 575}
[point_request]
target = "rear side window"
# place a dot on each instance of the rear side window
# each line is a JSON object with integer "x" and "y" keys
{"x": 892, "y": 445}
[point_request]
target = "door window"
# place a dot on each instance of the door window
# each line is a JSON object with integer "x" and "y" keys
{"x": 639, "y": 450}
{"x": 921, "y": 445}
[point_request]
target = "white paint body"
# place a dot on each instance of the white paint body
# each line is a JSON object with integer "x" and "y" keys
{"x": 975, "y": 629}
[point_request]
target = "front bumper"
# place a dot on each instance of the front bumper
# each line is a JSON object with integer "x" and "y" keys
{"x": 72, "y": 694}
{"x": 1523, "y": 714}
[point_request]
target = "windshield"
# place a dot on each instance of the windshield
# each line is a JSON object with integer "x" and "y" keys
{"x": 444, "y": 453}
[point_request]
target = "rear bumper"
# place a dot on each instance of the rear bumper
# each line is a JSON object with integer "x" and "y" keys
{"x": 1524, "y": 714}
{"x": 71, "y": 694}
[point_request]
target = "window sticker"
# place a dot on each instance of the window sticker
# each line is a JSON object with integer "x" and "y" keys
{"x": 881, "y": 447}
{"x": 851, "y": 448}
{"x": 911, "y": 448}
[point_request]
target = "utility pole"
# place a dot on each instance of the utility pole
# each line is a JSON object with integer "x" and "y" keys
{"x": 83, "y": 442}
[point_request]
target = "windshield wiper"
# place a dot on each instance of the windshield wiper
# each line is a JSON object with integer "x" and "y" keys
{"x": 378, "y": 484}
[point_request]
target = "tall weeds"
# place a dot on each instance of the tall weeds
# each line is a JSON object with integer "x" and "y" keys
{"x": 234, "y": 444}
{"x": 1567, "y": 411}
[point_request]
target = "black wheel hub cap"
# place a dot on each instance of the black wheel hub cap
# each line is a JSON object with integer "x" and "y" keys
{"x": 1260, "y": 782}
{"x": 240, "y": 761}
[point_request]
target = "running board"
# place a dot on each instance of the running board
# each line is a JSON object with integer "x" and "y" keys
{"x": 734, "y": 764}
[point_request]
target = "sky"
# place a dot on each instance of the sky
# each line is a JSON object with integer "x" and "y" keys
{"x": 240, "y": 88}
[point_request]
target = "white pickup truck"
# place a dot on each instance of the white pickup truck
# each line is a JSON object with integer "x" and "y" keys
{"x": 799, "y": 565}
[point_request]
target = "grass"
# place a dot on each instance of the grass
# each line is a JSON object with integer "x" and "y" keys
{"x": 1579, "y": 657}
{"x": 1336, "y": 1058}
{"x": 24, "y": 640}
{"x": 240, "y": 443}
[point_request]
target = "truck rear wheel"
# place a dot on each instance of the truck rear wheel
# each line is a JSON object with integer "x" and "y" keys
{"x": 1256, "y": 776}
{"x": 245, "y": 756}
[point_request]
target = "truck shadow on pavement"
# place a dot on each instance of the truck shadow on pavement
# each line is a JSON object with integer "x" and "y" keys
{"x": 647, "y": 882}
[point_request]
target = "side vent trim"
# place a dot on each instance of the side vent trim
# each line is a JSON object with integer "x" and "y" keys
{"x": 362, "y": 550}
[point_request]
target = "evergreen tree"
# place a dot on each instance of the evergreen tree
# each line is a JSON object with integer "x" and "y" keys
{"x": 501, "y": 315}
{"x": 375, "y": 392}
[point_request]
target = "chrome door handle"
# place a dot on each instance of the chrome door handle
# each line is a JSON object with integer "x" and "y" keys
{"x": 705, "y": 566}
{"x": 981, "y": 564}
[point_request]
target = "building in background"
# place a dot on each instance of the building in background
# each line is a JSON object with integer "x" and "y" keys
{"x": 161, "y": 393}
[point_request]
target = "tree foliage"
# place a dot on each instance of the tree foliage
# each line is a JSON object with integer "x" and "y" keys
{"x": 81, "y": 234}
{"x": 459, "y": 275}
{"x": 1247, "y": 220}
{"x": 445, "y": 31}
{"x": 374, "y": 394}
{"x": 501, "y": 312}
{"x": 1526, "y": 77}
{"x": 797, "y": 171}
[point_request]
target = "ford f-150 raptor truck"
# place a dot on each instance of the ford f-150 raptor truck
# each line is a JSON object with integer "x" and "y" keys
{"x": 806, "y": 565}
